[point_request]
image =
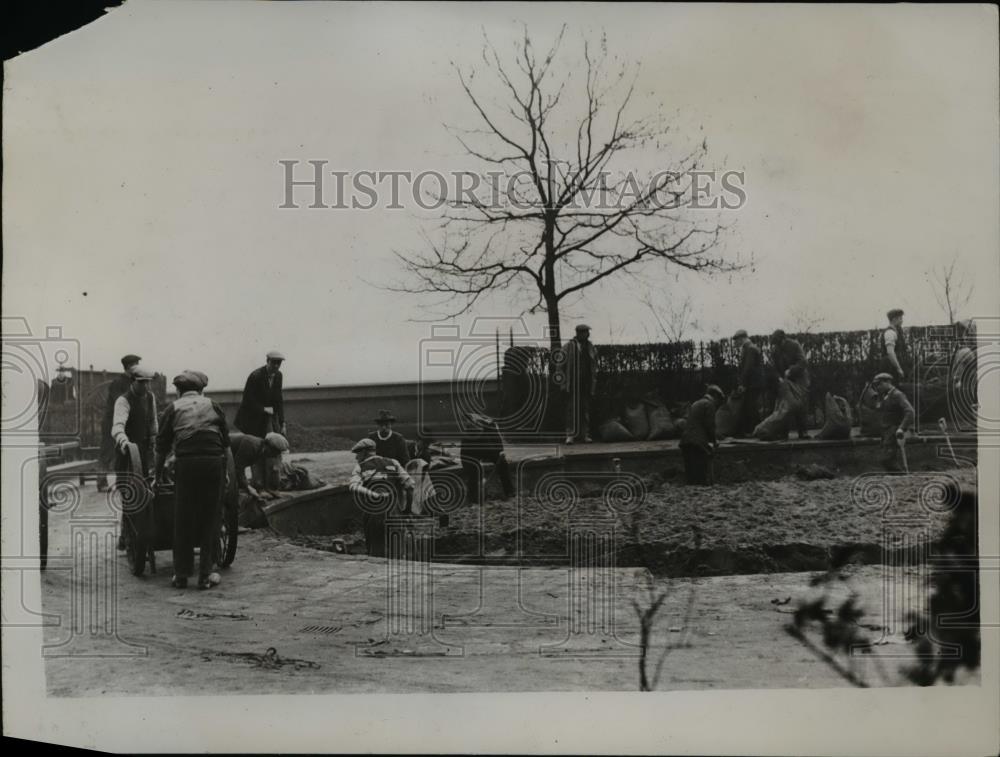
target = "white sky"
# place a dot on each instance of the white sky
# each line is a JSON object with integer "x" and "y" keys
{"x": 141, "y": 185}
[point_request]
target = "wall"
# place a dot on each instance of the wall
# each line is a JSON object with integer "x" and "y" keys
{"x": 351, "y": 409}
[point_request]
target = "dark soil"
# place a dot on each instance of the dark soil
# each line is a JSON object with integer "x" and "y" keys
{"x": 757, "y": 527}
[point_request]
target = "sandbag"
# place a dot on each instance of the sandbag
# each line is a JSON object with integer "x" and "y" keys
{"x": 636, "y": 421}
{"x": 838, "y": 419}
{"x": 661, "y": 424}
{"x": 613, "y": 431}
{"x": 727, "y": 417}
{"x": 292, "y": 477}
{"x": 251, "y": 511}
{"x": 775, "y": 426}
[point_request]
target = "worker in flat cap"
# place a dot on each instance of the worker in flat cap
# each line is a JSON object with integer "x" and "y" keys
{"x": 576, "y": 374}
{"x": 788, "y": 361}
{"x": 389, "y": 443}
{"x": 897, "y": 417}
{"x": 249, "y": 450}
{"x": 118, "y": 386}
{"x": 134, "y": 421}
{"x": 195, "y": 428}
{"x": 380, "y": 486}
{"x": 750, "y": 383}
{"x": 894, "y": 351}
{"x": 698, "y": 442}
{"x": 262, "y": 410}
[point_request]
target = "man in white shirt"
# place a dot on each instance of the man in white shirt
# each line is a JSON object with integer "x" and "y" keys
{"x": 894, "y": 351}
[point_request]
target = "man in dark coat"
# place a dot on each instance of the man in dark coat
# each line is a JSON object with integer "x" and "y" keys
{"x": 262, "y": 410}
{"x": 482, "y": 445}
{"x": 897, "y": 417}
{"x": 750, "y": 383}
{"x": 118, "y": 386}
{"x": 389, "y": 443}
{"x": 698, "y": 441}
{"x": 578, "y": 380}
{"x": 195, "y": 428}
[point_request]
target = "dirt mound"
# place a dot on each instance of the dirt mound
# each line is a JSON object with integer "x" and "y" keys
{"x": 759, "y": 527}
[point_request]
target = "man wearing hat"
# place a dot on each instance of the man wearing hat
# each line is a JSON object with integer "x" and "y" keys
{"x": 262, "y": 409}
{"x": 118, "y": 386}
{"x": 578, "y": 380}
{"x": 698, "y": 441}
{"x": 251, "y": 450}
{"x": 195, "y": 428}
{"x": 897, "y": 417}
{"x": 750, "y": 382}
{"x": 380, "y": 483}
{"x": 894, "y": 352}
{"x": 134, "y": 420}
{"x": 389, "y": 443}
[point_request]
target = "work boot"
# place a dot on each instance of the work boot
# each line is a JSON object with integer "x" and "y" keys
{"x": 102, "y": 483}
{"x": 179, "y": 582}
{"x": 569, "y": 440}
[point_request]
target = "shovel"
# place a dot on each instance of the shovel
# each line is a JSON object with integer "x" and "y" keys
{"x": 901, "y": 441}
{"x": 943, "y": 425}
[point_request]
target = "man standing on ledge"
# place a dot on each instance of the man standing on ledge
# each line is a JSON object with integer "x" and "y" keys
{"x": 894, "y": 352}
{"x": 389, "y": 443}
{"x": 751, "y": 383}
{"x": 897, "y": 417}
{"x": 262, "y": 409}
{"x": 698, "y": 443}
{"x": 118, "y": 386}
{"x": 579, "y": 383}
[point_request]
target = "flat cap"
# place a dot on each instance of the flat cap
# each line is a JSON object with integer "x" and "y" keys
{"x": 200, "y": 375}
{"x": 882, "y": 377}
{"x": 582, "y": 327}
{"x": 188, "y": 378}
{"x": 714, "y": 390}
{"x": 130, "y": 359}
{"x": 894, "y": 313}
{"x": 276, "y": 441}
{"x": 140, "y": 374}
{"x": 275, "y": 355}
{"x": 740, "y": 333}
{"x": 364, "y": 444}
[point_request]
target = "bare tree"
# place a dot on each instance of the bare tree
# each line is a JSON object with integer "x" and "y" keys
{"x": 553, "y": 232}
{"x": 951, "y": 289}
{"x": 674, "y": 320}
{"x": 804, "y": 320}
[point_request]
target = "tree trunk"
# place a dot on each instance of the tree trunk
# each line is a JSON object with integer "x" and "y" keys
{"x": 552, "y": 309}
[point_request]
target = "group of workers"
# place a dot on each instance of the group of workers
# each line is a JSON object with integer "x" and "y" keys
{"x": 788, "y": 361}
{"x": 192, "y": 433}
{"x": 187, "y": 443}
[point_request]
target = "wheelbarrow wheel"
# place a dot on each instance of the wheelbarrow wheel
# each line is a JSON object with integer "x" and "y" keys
{"x": 135, "y": 550}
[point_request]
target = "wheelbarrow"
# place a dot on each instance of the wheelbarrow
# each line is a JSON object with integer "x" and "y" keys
{"x": 148, "y": 520}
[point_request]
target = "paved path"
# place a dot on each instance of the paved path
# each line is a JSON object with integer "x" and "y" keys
{"x": 329, "y": 619}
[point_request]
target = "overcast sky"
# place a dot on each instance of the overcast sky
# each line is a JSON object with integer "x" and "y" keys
{"x": 142, "y": 181}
